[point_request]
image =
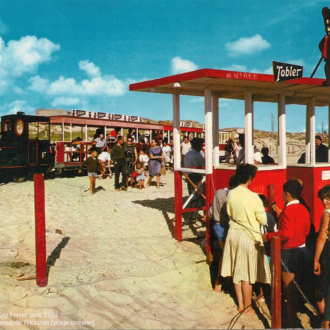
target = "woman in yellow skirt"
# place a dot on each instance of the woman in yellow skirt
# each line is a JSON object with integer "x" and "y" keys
{"x": 245, "y": 259}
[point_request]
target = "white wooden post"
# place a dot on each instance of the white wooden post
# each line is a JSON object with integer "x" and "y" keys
{"x": 249, "y": 150}
{"x": 308, "y": 144}
{"x": 215, "y": 105}
{"x": 208, "y": 131}
{"x": 176, "y": 132}
{"x": 281, "y": 131}
{"x": 310, "y": 133}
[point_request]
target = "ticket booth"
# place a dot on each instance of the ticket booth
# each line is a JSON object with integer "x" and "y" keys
{"x": 215, "y": 85}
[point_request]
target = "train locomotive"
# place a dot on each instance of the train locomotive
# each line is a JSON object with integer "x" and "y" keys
{"x": 24, "y": 146}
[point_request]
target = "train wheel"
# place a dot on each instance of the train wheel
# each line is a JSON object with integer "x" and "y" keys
{"x": 18, "y": 179}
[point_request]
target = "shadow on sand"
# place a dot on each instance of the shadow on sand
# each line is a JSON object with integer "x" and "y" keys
{"x": 56, "y": 253}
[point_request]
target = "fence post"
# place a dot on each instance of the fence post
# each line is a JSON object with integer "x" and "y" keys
{"x": 178, "y": 205}
{"x": 40, "y": 225}
{"x": 276, "y": 282}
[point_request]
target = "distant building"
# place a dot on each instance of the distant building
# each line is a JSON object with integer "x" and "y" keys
{"x": 52, "y": 112}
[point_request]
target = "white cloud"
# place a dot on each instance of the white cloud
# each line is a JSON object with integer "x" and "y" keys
{"x": 23, "y": 56}
{"x": 38, "y": 84}
{"x": 19, "y": 106}
{"x": 62, "y": 101}
{"x": 91, "y": 69}
{"x": 180, "y": 66}
{"x": 247, "y": 46}
{"x": 98, "y": 85}
{"x": 18, "y": 90}
{"x": 26, "y": 54}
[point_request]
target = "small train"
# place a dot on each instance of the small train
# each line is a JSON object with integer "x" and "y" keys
{"x": 55, "y": 143}
{"x": 24, "y": 146}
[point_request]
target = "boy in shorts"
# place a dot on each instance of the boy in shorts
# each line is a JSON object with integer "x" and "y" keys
{"x": 92, "y": 166}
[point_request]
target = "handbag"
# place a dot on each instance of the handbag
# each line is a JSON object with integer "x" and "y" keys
{"x": 162, "y": 170}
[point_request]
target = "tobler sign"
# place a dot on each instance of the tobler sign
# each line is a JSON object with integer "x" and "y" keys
{"x": 285, "y": 71}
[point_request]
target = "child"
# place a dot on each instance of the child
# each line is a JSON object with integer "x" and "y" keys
{"x": 92, "y": 166}
{"x": 322, "y": 258}
{"x": 141, "y": 176}
{"x": 143, "y": 159}
{"x": 104, "y": 159}
{"x": 293, "y": 228}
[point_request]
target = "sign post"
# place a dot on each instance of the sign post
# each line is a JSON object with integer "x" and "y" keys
{"x": 40, "y": 224}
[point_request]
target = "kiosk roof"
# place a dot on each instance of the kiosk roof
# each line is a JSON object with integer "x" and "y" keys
{"x": 232, "y": 85}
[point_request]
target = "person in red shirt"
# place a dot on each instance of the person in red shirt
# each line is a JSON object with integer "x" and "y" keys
{"x": 294, "y": 226}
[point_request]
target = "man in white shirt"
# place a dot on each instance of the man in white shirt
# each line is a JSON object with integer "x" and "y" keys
{"x": 167, "y": 150}
{"x": 101, "y": 143}
{"x": 185, "y": 147}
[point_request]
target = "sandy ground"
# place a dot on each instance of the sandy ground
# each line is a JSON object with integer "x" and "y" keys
{"x": 113, "y": 263}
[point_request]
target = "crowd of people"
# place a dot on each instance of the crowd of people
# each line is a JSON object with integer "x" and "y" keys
{"x": 242, "y": 229}
{"x": 134, "y": 161}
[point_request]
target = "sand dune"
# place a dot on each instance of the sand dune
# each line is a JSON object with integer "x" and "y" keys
{"x": 113, "y": 262}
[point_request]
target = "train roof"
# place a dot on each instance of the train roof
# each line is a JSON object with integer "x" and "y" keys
{"x": 232, "y": 85}
{"x": 102, "y": 122}
{"x": 27, "y": 118}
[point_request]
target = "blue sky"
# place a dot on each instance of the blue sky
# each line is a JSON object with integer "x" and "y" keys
{"x": 71, "y": 54}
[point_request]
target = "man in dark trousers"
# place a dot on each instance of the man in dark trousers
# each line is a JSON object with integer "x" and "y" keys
{"x": 118, "y": 156}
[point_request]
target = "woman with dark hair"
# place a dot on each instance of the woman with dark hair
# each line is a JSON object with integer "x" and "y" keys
{"x": 294, "y": 226}
{"x": 322, "y": 259}
{"x": 244, "y": 254}
{"x": 155, "y": 162}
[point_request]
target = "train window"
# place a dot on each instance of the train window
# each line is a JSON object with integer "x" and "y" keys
{"x": 19, "y": 127}
{"x": 43, "y": 131}
{"x": 33, "y": 131}
{"x": 7, "y": 125}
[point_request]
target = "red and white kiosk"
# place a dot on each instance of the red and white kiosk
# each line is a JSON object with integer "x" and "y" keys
{"x": 215, "y": 85}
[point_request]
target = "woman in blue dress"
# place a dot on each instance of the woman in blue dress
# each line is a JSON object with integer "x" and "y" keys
{"x": 155, "y": 162}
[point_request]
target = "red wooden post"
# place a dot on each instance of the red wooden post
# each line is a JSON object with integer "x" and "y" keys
{"x": 276, "y": 282}
{"x": 39, "y": 211}
{"x": 178, "y": 205}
